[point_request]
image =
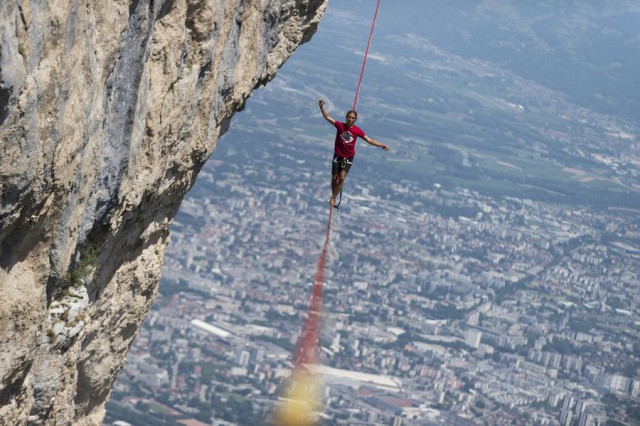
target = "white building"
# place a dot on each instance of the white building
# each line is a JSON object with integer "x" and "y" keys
{"x": 472, "y": 337}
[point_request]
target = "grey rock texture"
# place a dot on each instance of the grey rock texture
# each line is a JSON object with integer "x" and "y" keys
{"x": 108, "y": 110}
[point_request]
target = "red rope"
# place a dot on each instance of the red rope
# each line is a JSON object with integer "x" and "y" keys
{"x": 307, "y": 350}
{"x": 307, "y": 347}
{"x": 366, "y": 55}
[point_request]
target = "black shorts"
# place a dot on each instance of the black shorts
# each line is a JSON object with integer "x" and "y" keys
{"x": 340, "y": 163}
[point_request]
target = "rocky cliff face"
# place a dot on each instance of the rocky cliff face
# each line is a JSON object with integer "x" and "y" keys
{"x": 108, "y": 110}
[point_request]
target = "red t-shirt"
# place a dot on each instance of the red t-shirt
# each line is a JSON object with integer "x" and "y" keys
{"x": 345, "y": 145}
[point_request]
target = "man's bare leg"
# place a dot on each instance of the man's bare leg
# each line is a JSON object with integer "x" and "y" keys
{"x": 336, "y": 186}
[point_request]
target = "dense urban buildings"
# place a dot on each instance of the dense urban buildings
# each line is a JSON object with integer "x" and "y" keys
{"x": 491, "y": 311}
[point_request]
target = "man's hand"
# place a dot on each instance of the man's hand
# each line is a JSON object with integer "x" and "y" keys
{"x": 324, "y": 113}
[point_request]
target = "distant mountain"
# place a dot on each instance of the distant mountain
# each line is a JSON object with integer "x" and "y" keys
{"x": 589, "y": 50}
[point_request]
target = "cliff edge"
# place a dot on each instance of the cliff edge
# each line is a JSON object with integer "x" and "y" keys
{"x": 108, "y": 110}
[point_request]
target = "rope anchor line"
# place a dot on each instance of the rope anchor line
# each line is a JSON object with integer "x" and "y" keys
{"x": 302, "y": 396}
{"x": 366, "y": 55}
{"x": 306, "y": 352}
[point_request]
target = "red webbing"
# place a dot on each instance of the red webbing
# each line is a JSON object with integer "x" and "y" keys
{"x": 366, "y": 55}
{"x": 307, "y": 348}
{"x": 307, "y": 351}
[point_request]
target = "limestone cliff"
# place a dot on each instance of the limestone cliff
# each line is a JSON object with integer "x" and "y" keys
{"x": 108, "y": 110}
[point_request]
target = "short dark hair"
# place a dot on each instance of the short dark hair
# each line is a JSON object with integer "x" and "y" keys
{"x": 353, "y": 111}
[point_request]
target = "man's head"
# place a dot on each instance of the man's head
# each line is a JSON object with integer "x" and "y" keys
{"x": 352, "y": 116}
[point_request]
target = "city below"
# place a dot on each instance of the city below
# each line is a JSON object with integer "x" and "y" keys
{"x": 441, "y": 306}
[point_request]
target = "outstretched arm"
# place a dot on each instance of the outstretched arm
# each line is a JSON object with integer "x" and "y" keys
{"x": 376, "y": 143}
{"x": 324, "y": 113}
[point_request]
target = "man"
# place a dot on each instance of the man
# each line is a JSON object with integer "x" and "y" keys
{"x": 345, "y": 148}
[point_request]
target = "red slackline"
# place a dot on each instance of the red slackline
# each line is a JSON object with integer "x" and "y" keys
{"x": 366, "y": 55}
{"x": 307, "y": 351}
{"x": 307, "y": 347}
